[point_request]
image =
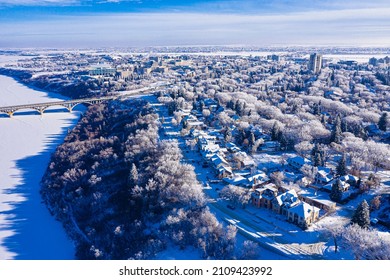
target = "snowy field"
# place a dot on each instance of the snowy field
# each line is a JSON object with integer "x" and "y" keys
{"x": 27, "y": 231}
{"x": 360, "y": 58}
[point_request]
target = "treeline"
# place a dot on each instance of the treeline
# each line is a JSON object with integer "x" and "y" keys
{"x": 121, "y": 193}
{"x": 73, "y": 86}
{"x": 17, "y": 74}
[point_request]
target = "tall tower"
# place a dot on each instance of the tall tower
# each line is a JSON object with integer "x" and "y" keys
{"x": 315, "y": 63}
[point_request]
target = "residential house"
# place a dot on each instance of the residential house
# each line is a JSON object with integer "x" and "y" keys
{"x": 317, "y": 199}
{"x": 283, "y": 202}
{"x": 263, "y": 196}
{"x": 217, "y": 161}
{"x": 344, "y": 185}
{"x": 323, "y": 176}
{"x": 297, "y": 162}
{"x": 242, "y": 160}
{"x": 231, "y": 147}
{"x": 303, "y": 214}
{"x": 236, "y": 180}
{"x": 224, "y": 171}
{"x": 350, "y": 179}
{"x": 270, "y": 146}
{"x": 258, "y": 179}
{"x": 291, "y": 177}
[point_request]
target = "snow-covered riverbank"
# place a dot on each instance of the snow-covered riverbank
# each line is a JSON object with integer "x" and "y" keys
{"x": 27, "y": 230}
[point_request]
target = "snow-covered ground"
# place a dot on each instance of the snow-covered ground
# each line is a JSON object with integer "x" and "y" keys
{"x": 360, "y": 58}
{"x": 27, "y": 230}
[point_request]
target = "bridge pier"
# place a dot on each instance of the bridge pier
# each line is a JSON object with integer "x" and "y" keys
{"x": 69, "y": 106}
{"x": 41, "y": 110}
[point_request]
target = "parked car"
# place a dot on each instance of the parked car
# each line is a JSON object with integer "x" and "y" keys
{"x": 231, "y": 207}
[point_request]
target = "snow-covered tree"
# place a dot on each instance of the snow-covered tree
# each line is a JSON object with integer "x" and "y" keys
{"x": 362, "y": 215}
{"x": 365, "y": 243}
{"x": 336, "y": 136}
{"x": 336, "y": 193}
{"x": 250, "y": 250}
{"x": 133, "y": 176}
{"x": 375, "y": 203}
{"x": 318, "y": 155}
{"x": 341, "y": 168}
{"x": 383, "y": 121}
{"x": 236, "y": 195}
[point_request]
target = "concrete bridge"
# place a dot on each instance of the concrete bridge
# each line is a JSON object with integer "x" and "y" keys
{"x": 70, "y": 104}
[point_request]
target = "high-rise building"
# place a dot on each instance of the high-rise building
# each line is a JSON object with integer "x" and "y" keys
{"x": 315, "y": 63}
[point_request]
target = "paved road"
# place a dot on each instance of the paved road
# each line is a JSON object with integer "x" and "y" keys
{"x": 259, "y": 230}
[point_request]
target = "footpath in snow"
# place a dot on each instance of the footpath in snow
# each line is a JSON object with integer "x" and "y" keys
{"x": 27, "y": 230}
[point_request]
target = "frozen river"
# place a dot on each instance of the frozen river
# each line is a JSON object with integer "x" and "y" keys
{"x": 27, "y": 230}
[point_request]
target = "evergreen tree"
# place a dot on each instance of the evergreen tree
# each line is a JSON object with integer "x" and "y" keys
{"x": 362, "y": 215}
{"x": 382, "y": 124}
{"x": 323, "y": 120}
{"x": 337, "y": 191}
{"x": 285, "y": 143}
{"x": 185, "y": 124}
{"x": 360, "y": 132}
{"x": 316, "y": 109}
{"x": 344, "y": 126}
{"x": 227, "y": 135}
{"x": 240, "y": 136}
{"x": 275, "y": 132}
{"x": 171, "y": 108}
{"x": 231, "y": 105}
{"x": 317, "y": 155}
{"x": 341, "y": 168}
{"x": 336, "y": 132}
{"x": 240, "y": 106}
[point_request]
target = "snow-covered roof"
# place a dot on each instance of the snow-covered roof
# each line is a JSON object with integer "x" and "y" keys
{"x": 290, "y": 176}
{"x": 304, "y": 210}
{"x": 268, "y": 191}
{"x": 211, "y": 147}
{"x": 236, "y": 180}
{"x": 299, "y": 161}
{"x": 218, "y": 160}
{"x": 248, "y": 162}
{"x": 224, "y": 168}
{"x": 100, "y": 66}
{"x": 319, "y": 197}
{"x": 232, "y": 146}
{"x": 324, "y": 174}
{"x": 328, "y": 186}
{"x": 287, "y": 199}
{"x": 349, "y": 178}
{"x": 260, "y": 175}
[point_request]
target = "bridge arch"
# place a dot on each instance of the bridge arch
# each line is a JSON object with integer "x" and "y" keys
{"x": 85, "y": 103}
{"x": 26, "y": 110}
{"x": 68, "y": 106}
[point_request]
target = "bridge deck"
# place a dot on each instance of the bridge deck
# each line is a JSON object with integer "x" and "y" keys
{"x": 70, "y": 104}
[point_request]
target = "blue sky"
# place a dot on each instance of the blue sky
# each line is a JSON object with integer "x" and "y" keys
{"x": 122, "y": 23}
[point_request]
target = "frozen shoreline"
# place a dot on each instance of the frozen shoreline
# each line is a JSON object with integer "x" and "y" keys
{"x": 27, "y": 230}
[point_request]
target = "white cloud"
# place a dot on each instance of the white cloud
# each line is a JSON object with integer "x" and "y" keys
{"x": 37, "y": 2}
{"x": 346, "y": 27}
{"x": 59, "y": 2}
